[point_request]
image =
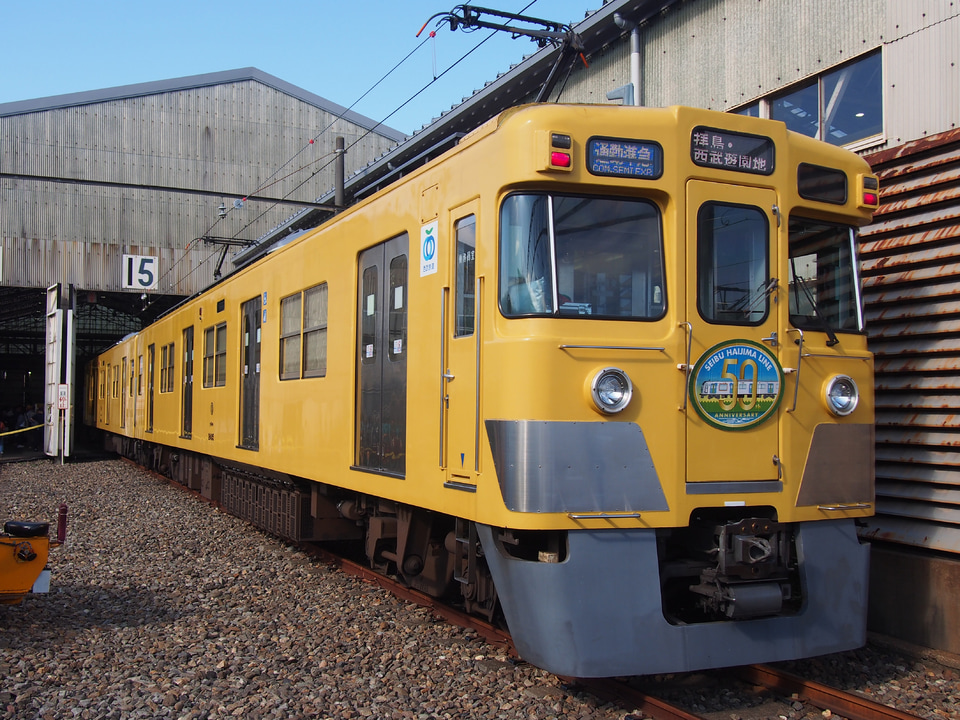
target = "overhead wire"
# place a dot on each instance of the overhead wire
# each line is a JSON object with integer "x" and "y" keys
{"x": 266, "y": 184}
{"x": 312, "y": 141}
{"x": 391, "y": 114}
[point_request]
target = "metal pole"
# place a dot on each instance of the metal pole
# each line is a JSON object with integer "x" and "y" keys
{"x": 338, "y": 175}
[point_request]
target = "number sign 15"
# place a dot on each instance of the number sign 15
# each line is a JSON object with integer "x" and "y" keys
{"x": 139, "y": 272}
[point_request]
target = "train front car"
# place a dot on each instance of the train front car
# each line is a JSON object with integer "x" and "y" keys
{"x": 675, "y": 390}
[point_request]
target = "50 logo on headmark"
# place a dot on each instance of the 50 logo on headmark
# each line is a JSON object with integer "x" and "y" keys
{"x": 736, "y": 385}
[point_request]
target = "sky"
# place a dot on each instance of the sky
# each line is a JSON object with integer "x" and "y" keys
{"x": 338, "y": 49}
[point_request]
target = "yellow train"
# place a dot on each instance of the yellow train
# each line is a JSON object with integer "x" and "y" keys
{"x": 491, "y": 374}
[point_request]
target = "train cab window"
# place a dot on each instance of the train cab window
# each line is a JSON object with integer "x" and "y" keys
{"x": 732, "y": 264}
{"x": 824, "y": 284}
{"x": 581, "y": 257}
{"x": 466, "y": 237}
{"x": 215, "y": 356}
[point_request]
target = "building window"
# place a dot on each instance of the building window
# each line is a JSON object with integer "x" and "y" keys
{"x": 303, "y": 334}
{"x": 215, "y": 356}
{"x": 167, "y": 354}
{"x": 842, "y": 106}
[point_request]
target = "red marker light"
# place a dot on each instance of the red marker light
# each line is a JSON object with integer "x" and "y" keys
{"x": 311, "y": 141}
{"x": 870, "y": 198}
{"x": 560, "y": 159}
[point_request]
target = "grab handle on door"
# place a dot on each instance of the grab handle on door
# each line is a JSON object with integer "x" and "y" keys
{"x": 686, "y": 366}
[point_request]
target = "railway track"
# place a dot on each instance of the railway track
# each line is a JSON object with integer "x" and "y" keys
{"x": 845, "y": 704}
{"x": 840, "y": 704}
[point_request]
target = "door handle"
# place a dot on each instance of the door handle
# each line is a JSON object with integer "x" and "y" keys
{"x": 448, "y": 375}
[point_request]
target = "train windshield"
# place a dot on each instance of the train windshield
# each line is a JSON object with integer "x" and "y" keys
{"x": 824, "y": 282}
{"x": 584, "y": 257}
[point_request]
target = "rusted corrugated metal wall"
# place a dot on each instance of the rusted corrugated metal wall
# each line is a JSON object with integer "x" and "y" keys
{"x": 911, "y": 264}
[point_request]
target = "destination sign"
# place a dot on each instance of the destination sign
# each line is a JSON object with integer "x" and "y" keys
{"x": 730, "y": 150}
{"x": 624, "y": 158}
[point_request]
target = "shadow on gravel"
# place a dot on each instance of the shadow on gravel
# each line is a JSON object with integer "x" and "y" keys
{"x": 69, "y": 608}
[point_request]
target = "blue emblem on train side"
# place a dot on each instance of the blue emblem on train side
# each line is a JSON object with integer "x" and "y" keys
{"x": 736, "y": 385}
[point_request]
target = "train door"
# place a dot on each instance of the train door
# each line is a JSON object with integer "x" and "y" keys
{"x": 151, "y": 360}
{"x": 735, "y": 380}
{"x": 381, "y": 433}
{"x": 123, "y": 393}
{"x": 186, "y": 421}
{"x": 460, "y": 376}
{"x": 250, "y": 376}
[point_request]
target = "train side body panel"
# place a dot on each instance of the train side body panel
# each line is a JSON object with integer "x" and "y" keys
{"x": 397, "y": 353}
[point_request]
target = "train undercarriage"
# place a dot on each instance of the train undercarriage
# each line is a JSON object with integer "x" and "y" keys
{"x": 729, "y": 564}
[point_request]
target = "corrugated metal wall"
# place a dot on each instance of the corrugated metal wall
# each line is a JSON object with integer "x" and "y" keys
{"x": 921, "y": 68}
{"x": 719, "y": 54}
{"x": 911, "y": 264}
{"x": 227, "y": 138}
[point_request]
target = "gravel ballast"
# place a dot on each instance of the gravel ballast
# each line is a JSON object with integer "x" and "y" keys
{"x": 161, "y": 606}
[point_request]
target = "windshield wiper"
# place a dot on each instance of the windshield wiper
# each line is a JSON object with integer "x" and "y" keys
{"x": 797, "y": 280}
{"x": 763, "y": 292}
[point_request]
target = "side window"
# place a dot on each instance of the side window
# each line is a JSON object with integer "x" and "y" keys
{"x": 290, "y": 328}
{"x": 163, "y": 368}
{"x": 315, "y": 331}
{"x": 215, "y": 356}
{"x": 220, "y": 360}
{"x": 732, "y": 264}
{"x": 465, "y": 231}
{"x": 208, "y": 353}
{"x": 170, "y": 361}
{"x": 303, "y": 334}
{"x": 140, "y": 375}
{"x": 167, "y": 355}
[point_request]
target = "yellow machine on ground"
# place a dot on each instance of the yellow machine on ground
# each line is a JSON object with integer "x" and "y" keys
{"x": 24, "y": 550}
{"x": 600, "y": 368}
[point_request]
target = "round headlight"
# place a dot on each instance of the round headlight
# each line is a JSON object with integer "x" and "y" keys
{"x": 842, "y": 395}
{"x": 611, "y": 390}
